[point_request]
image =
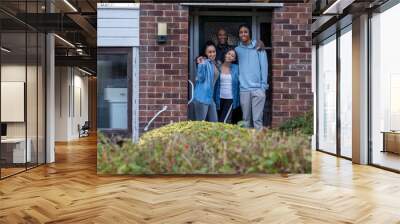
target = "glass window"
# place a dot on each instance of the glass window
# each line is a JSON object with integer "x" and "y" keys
{"x": 112, "y": 70}
{"x": 385, "y": 89}
{"x": 346, "y": 92}
{"x": 15, "y": 150}
{"x": 327, "y": 95}
{"x": 22, "y": 89}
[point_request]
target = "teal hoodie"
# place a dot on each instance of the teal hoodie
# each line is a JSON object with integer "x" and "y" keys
{"x": 253, "y": 67}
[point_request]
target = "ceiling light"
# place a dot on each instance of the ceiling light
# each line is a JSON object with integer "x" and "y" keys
{"x": 65, "y": 41}
{"x": 70, "y": 5}
{"x": 5, "y": 50}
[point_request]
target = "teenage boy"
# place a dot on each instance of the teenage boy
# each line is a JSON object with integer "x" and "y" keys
{"x": 253, "y": 74}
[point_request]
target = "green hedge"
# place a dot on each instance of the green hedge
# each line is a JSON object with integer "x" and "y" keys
{"x": 206, "y": 148}
{"x": 303, "y": 124}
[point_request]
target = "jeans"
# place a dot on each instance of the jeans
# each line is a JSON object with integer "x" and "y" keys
{"x": 252, "y": 103}
{"x": 225, "y": 111}
{"x": 204, "y": 112}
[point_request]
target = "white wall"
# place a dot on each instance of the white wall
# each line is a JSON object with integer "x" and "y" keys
{"x": 80, "y": 112}
{"x": 16, "y": 73}
{"x": 71, "y": 102}
{"x": 33, "y": 126}
{"x": 61, "y": 103}
{"x": 10, "y": 73}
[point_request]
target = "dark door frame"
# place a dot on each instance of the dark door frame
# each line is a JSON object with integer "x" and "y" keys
{"x": 257, "y": 18}
{"x": 118, "y": 51}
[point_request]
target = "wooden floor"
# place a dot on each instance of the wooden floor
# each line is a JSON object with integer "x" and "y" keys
{"x": 386, "y": 159}
{"x": 69, "y": 191}
{"x": 5, "y": 172}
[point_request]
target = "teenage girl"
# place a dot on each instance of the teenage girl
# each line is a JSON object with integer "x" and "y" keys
{"x": 227, "y": 87}
{"x": 207, "y": 76}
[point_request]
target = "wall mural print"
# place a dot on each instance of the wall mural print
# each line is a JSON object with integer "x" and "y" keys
{"x": 210, "y": 90}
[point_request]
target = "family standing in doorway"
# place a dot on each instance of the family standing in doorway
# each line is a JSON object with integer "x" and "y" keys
{"x": 228, "y": 78}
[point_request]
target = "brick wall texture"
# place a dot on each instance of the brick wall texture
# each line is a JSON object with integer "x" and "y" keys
{"x": 291, "y": 61}
{"x": 164, "y": 67}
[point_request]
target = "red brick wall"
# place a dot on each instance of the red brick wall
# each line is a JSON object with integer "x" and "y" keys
{"x": 163, "y": 71}
{"x": 291, "y": 61}
{"x": 164, "y": 67}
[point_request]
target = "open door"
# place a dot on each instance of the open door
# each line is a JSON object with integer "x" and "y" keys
{"x": 204, "y": 26}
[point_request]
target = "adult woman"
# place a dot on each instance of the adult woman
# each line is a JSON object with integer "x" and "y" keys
{"x": 207, "y": 76}
{"x": 227, "y": 87}
{"x": 253, "y": 74}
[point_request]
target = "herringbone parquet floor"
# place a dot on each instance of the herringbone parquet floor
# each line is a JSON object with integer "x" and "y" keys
{"x": 69, "y": 191}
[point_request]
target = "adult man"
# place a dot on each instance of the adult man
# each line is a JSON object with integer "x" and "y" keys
{"x": 222, "y": 46}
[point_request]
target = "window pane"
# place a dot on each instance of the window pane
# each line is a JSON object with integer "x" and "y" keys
{"x": 112, "y": 91}
{"x": 385, "y": 84}
{"x": 327, "y": 96}
{"x": 13, "y": 86}
{"x": 346, "y": 93}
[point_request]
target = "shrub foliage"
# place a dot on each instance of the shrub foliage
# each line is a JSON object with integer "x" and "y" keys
{"x": 206, "y": 148}
{"x": 302, "y": 124}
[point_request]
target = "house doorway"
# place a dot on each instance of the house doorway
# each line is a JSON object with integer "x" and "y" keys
{"x": 204, "y": 25}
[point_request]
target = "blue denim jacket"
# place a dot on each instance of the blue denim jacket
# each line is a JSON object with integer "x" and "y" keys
{"x": 235, "y": 88}
{"x": 203, "y": 89}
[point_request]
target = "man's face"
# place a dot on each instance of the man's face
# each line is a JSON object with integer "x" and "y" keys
{"x": 222, "y": 37}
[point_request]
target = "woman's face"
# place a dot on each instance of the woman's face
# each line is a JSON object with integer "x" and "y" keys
{"x": 210, "y": 52}
{"x": 244, "y": 34}
{"x": 230, "y": 56}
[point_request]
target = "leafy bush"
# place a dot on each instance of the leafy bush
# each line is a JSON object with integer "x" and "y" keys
{"x": 206, "y": 148}
{"x": 303, "y": 124}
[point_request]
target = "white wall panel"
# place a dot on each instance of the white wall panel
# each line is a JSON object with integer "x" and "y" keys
{"x": 111, "y": 13}
{"x": 113, "y": 22}
{"x": 117, "y": 27}
{"x": 117, "y": 32}
{"x": 118, "y": 42}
